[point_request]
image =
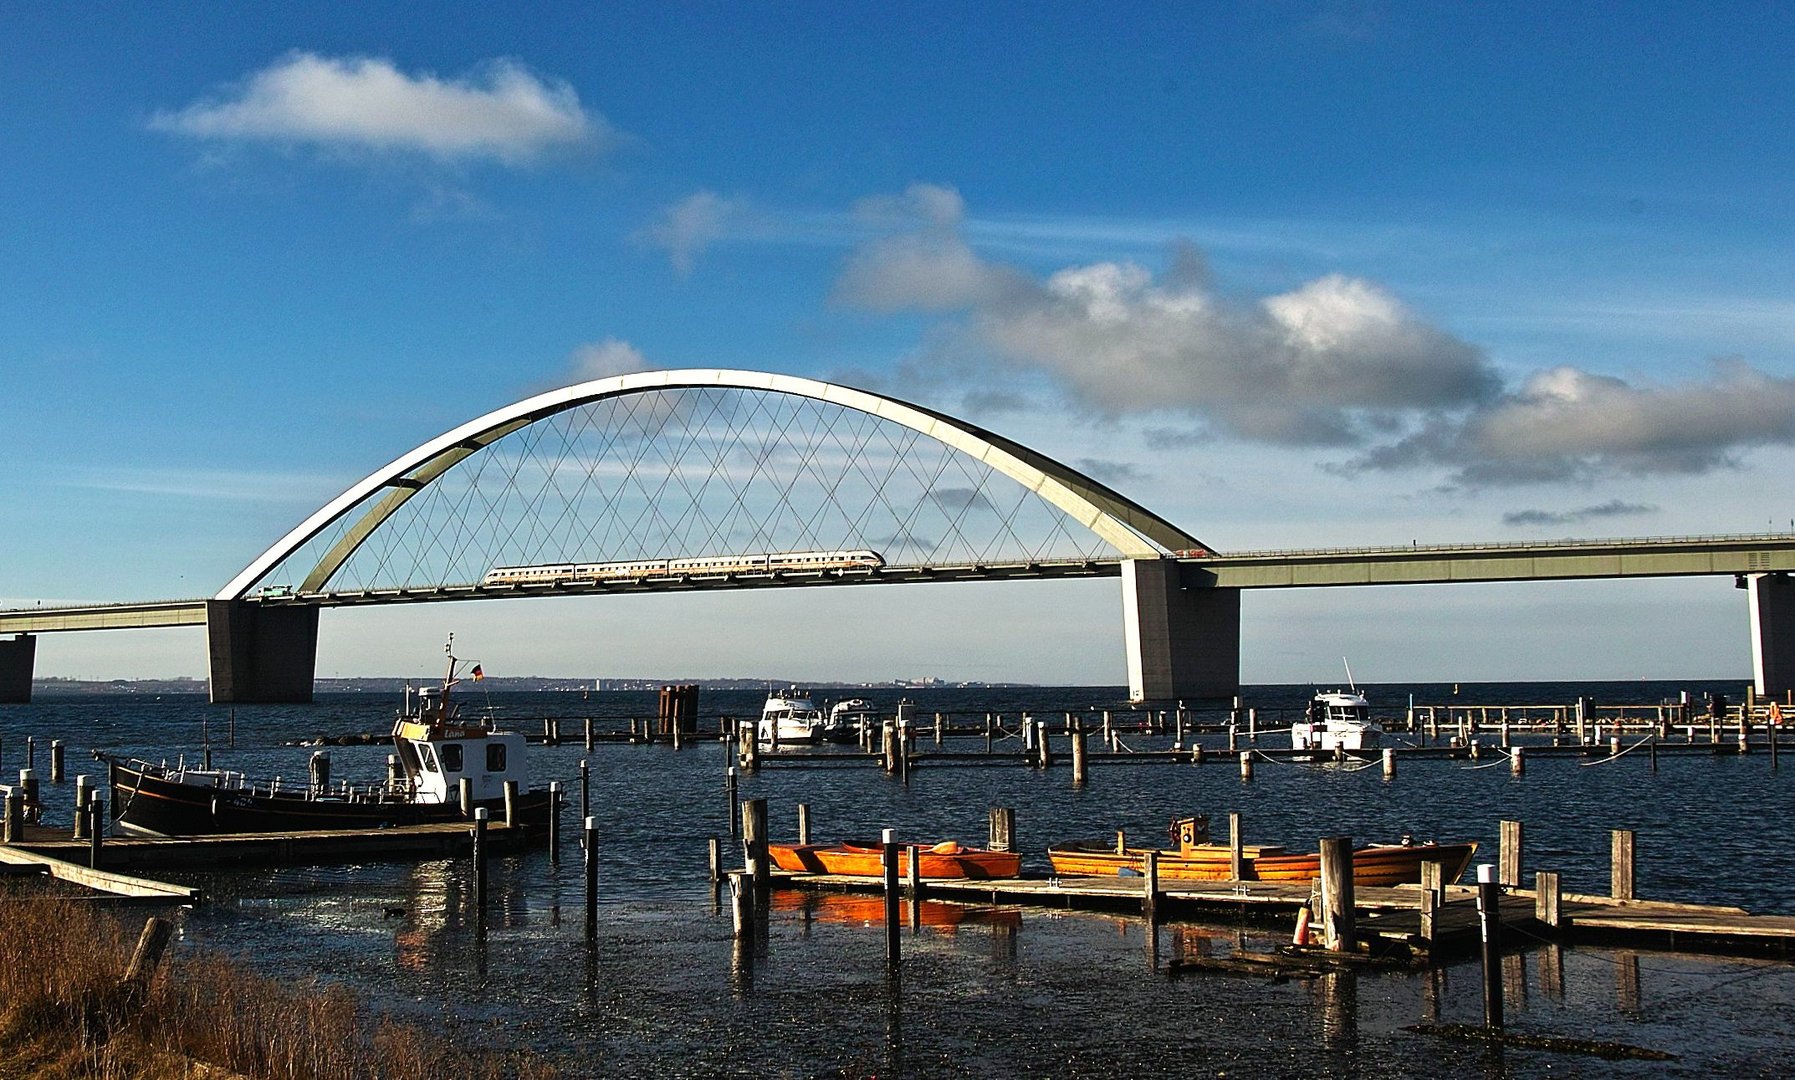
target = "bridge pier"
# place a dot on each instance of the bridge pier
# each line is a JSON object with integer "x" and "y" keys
{"x": 261, "y": 654}
{"x": 1772, "y": 633}
{"x": 16, "y": 659}
{"x": 1183, "y": 637}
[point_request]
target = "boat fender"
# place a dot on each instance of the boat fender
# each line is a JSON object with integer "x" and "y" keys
{"x": 1301, "y": 937}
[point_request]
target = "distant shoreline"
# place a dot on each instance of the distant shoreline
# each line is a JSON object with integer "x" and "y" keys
{"x": 395, "y": 684}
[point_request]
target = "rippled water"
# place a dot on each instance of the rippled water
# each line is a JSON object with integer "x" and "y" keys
{"x": 665, "y": 991}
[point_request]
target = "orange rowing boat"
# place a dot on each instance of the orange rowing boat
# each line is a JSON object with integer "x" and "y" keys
{"x": 944, "y": 860}
{"x": 1195, "y": 859}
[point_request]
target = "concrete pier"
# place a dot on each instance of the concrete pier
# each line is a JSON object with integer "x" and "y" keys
{"x": 261, "y": 654}
{"x": 1183, "y": 637}
{"x": 1772, "y": 633}
{"x": 17, "y": 656}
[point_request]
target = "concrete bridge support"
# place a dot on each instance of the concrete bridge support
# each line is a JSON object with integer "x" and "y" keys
{"x": 261, "y": 654}
{"x": 1772, "y": 633}
{"x": 1183, "y": 634}
{"x": 16, "y": 659}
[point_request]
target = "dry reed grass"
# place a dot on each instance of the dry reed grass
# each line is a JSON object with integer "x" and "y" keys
{"x": 64, "y": 1014}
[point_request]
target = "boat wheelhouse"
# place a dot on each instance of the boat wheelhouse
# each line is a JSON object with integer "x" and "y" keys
{"x": 1336, "y": 720}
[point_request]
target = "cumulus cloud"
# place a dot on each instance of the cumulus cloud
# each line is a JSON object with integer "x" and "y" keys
{"x": 603, "y": 359}
{"x": 685, "y": 229}
{"x": 1611, "y": 509}
{"x": 958, "y": 499}
{"x": 1337, "y": 361}
{"x": 1569, "y": 424}
{"x": 500, "y": 111}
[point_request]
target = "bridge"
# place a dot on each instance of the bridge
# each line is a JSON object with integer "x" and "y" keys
{"x": 679, "y": 480}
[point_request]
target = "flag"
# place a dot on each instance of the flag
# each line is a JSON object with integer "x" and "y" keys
{"x": 478, "y": 674}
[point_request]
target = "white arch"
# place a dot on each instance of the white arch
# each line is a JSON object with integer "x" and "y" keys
{"x": 1129, "y": 527}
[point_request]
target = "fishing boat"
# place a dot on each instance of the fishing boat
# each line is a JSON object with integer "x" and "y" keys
{"x": 1196, "y": 859}
{"x": 790, "y": 718}
{"x": 435, "y": 752}
{"x": 1336, "y": 720}
{"x": 944, "y": 860}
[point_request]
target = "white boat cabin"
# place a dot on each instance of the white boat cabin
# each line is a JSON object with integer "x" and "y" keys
{"x": 789, "y": 716}
{"x": 436, "y": 752}
{"x": 1337, "y": 720}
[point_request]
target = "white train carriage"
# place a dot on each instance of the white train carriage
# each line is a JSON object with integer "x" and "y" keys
{"x": 637, "y": 569}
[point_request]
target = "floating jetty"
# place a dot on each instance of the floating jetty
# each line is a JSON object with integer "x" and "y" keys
{"x": 270, "y": 848}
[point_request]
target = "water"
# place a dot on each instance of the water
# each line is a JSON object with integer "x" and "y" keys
{"x": 667, "y": 992}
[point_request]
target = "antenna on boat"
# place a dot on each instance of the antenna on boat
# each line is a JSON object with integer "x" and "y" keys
{"x": 1349, "y": 682}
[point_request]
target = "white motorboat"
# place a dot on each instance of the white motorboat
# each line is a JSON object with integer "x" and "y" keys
{"x": 1336, "y": 720}
{"x": 847, "y": 719}
{"x": 789, "y": 718}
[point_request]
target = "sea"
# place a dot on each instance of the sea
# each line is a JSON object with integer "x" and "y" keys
{"x": 665, "y": 989}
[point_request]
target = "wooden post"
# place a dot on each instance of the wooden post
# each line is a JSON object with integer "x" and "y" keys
{"x": 1517, "y": 761}
{"x": 96, "y": 830}
{"x": 1389, "y": 763}
{"x": 464, "y": 791}
{"x": 511, "y": 819}
{"x": 15, "y": 818}
{"x": 1489, "y": 921}
{"x": 937, "y": 729}
{"x": 1150, "y": 885}
{"x": 913, "y": 870}
{"x": 1252, "y": 725}
{"x": 803, "y": 823}
{"x": 82, "y": 794}
{"x": 554, "y": 823}
{"x": 585, "y": 789}
{"x": 1432, "y": 892}
{"x": 56, "y": 772}
{"x": 1509, "y": 855}
{"x": 1621, "y": 873}
{"x": 588, "y": 734}
{"x": 1236, "y": 849}
{"x": 1044, "y": 743}
{"x": 729, "y": 782}
{"x": 1079, "y": 766}
{"x": 145, "y": 959}
{"x": 890, "y": 866}
{"x": 1003, "y": 829}
{"x": 716, "y": 861}
{"x": 1547, "y": 898}
{"x": 480, "y": 816}
{"x": 741, "y": 905}
{"x": 1338, "y": 932}
{"x": 754, "y": 841}
{"x": 1246, "y": 764}
{"x": 589, "y": 844}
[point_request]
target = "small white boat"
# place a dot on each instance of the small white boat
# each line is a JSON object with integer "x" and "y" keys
{"x": 847, "y": 719}
{"x": 789, "y": 718}
{"x": 1337, "y": 720}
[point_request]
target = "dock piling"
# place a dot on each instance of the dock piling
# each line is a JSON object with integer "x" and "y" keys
{"x": 1489, "y": 923}
{"x": 96, "y": 830}
{"x": 1150, "y": 886}
{"x": 589, "y": 846}
{"x": 1621, "y": 871}
{"x": 1080, "y": 762}
{"x": 741, "y": 905}
{"x": 481, "y": 814}
{"x": 1246, "y": 764}
{"x": 1236, "y": 852}
{"x": 554, "y": 823}
{"x": 82, "y": 793}
{"x": 588, "y": 734}
{"x": 585, "y": 788}
{"x": 1339, "y": 933}
{"x": 888, "y": 841}
{"x": 464, "y": 791}
{"x": 754, "y": 842}
{"x": 803, "y": 823}
{"x": 56, "y": 771}
{"x": 1389, "y": 763}
{"x": 511, "y": 819}
{"x": 716, "y": 861}
{"x": 1432, "y": 893}
{"x": 729, "y": 782}
{"x": 1003, "y": 829}
{"x": 1517, "y": 761}
{"x": 1546, "y": 898}
{"x": 15, "y": 818}
{"x": 1509, "y": 855}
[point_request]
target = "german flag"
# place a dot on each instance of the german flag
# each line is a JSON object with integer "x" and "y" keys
{"x": 477, "y": 673}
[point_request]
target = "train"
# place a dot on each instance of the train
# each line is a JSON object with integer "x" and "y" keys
{"x": 635, "y": 569}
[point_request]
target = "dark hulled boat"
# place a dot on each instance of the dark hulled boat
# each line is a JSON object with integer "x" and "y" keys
{"x": 436, "y": 751}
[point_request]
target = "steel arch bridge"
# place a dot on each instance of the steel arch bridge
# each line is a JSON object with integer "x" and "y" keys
{"x": 672, "y": 480}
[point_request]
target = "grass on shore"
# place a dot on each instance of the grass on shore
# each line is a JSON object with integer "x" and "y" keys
{"x": 65, "y": 1014}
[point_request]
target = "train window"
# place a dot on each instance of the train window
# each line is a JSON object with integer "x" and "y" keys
{"x": 495, "y": 757}
{"x": 452, "y": 757}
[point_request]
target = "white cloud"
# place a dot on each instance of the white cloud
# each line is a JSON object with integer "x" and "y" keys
{"x": 931, "y": 205}
{"x": 602, "y": 359}
{"x": 692, "y": 225}
{"x": 500, "y": 111}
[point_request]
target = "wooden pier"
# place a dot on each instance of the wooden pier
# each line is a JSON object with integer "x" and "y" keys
{"x": 272, "y": 848}
{"x": 112, "y": 886}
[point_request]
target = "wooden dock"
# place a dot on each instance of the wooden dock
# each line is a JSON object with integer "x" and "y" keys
{"x": 112, "y": 886}
{"x": 1389, "y": 920}
{"x": 272, "y": 848}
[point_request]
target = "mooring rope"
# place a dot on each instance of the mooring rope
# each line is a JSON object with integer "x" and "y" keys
{"x": 1615, "y": 757}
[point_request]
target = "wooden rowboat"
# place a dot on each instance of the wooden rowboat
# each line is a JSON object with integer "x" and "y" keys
{"x": 944, "y": 860}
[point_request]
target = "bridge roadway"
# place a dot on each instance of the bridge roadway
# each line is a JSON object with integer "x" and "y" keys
{"x": 1418, "y": 564}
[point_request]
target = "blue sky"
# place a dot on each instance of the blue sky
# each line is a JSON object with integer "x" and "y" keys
{"x": 1291, "y": 274}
